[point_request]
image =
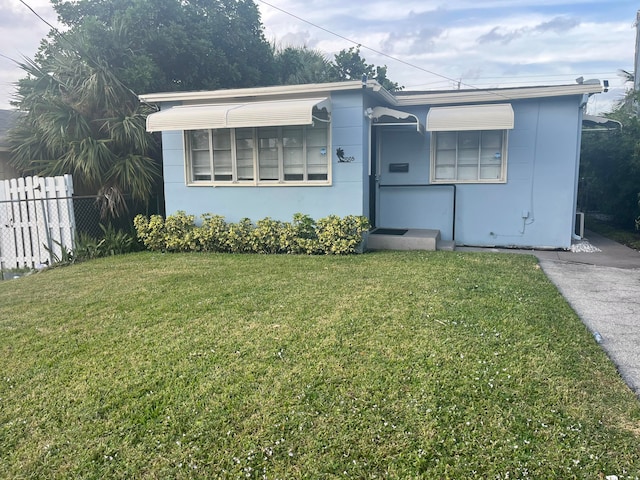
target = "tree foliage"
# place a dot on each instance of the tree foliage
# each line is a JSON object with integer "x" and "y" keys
{"x": 300, "y": 65}
{"x": 82, "y": 114}
{"x": 350, "y": 65}
{"x": 610, "y": 169}
{"x": 297, "y": 65}
{"x": 80, "y": 119}
{"x": 171, "y": 45}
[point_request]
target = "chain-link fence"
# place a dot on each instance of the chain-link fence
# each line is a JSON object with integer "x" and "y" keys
{"x": 41, "y": 231}
{"x": 90, "y": 219}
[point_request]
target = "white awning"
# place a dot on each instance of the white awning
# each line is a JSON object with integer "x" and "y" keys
{"x": 593, "y": 122}
{"x": 470, "y": 117}
{"x": 237, "y": 115}
{"x": 378, "y": 112}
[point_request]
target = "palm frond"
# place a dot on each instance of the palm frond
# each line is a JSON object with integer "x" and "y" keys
{"x": 80, "y": 119}
{"x": 136, "y": 174}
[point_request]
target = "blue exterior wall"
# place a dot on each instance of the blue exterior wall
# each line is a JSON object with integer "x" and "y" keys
{"x": 345, "y": 196}
{"x": 534, "y": 208}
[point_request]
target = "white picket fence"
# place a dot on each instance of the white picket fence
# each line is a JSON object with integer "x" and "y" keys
{"x": 37, "y": 220}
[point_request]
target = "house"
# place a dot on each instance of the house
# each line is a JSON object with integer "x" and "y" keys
{"x": 495, "y": 167}
{"x": 7, "y": 119}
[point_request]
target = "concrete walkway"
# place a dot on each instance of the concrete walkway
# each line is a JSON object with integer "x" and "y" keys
{"x": 604, "y": 290}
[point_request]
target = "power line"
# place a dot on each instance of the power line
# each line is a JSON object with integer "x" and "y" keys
{"x": 80, "y": 52}
{"x": 456, "y": 81}
{"x": 359, "y": 44}
{"x": 38, "y": 15}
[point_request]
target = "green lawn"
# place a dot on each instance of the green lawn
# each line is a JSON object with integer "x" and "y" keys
{"x": 385, "y": 365}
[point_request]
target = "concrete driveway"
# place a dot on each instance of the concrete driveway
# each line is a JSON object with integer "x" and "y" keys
{"x": 604, "y": 289}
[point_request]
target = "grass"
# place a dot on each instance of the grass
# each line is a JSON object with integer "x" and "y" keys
{"x": 386, "y": 365}
{"x": 630, "y": 238}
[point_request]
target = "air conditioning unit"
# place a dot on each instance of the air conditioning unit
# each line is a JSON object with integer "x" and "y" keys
{"x": 579, "y": 229}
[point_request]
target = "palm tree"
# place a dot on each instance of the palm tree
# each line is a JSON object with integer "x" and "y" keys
{"x": 80, "y": 119}
{"x": 629, "y": 104}
{"x": 628, "y": 77}
{"x": 299, "y": 65}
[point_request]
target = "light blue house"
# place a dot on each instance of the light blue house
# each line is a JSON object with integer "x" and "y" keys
{"x": 492, "y": 167}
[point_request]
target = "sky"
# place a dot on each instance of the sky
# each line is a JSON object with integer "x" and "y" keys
{"x": 425, "y": 44}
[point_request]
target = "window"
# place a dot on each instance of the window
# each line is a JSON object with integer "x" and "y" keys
{"x": 468, "y": 156}
{"x": 259, "y": 155}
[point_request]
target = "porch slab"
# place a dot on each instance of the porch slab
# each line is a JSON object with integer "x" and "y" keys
{"x": 406, "y": 239}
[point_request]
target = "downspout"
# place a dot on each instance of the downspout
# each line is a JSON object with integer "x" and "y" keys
{"x": 371, "y": 186}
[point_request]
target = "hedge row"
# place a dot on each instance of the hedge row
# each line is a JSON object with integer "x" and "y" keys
{"x": 331, "y": 235}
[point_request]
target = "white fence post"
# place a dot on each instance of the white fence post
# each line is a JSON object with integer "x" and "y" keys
{"x": 37, "y": 220}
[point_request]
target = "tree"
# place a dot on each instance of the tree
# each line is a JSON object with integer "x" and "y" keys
{"x": 610, "y": 168}
{"x": 80, "y": 119}
{"x": 349, "y": 65}
{"x": 299, "y": 65}
{"x": 629, "y": 103}
{"x": 170, "y": 45}
{"x": 82, "y": 115}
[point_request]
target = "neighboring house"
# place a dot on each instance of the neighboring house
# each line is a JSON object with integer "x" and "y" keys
{"x": 7, "y": 118}
{"x": 492, "y": 167}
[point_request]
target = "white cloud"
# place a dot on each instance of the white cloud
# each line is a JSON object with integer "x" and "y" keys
{"x": 484, "y": 43}
{"x": 21, "y": 35}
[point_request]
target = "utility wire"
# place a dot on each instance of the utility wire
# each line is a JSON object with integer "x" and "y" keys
{"x": 82, "y": 53}
{"x": 456, "y": 81}
{"x": 38, "y": 15}
{"x": 359, "y": 44}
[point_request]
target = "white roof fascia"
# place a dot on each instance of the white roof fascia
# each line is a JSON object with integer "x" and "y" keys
{"x": 380, "y": 90}
{"x": 451, "y": 97}
{"x": 265, "y": 92}
{"x": 497, "y": 95}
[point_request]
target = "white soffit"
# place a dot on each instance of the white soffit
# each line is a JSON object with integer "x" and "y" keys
{"x": 237, "y": 115}
{"x": 497, "y": 116}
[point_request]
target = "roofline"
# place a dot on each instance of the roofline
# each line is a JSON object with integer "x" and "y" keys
{"x": 263, "y": 92}
{"x": 495, "y": 95}
{"x": 405, "y": 98}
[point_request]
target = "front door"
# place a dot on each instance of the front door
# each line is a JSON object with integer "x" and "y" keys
{"x": 404, "y": 196}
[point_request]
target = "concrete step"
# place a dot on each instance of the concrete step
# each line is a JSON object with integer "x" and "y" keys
{"x": 403, "y": 239}
{"x": 447, "y": 245}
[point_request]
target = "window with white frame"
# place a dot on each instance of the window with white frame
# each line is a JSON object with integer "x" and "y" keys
{"x": 296, "y": 154}
{"x": 471, "y": 156}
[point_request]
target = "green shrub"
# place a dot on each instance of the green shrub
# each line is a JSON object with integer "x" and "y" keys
{"x": 340, "y": 236}
{"x": 87, "y": 247}
{"x": 301, "y": 235}
{"x": 239, "y": 236}
{"x": 115, "y": 242}
{"x": 331, "y": 235}
{"x": 212, "y": 234}
{"x": 151, "y": 232}
{"x": 267, "y": 236}
{"x": 180, "y": 233}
